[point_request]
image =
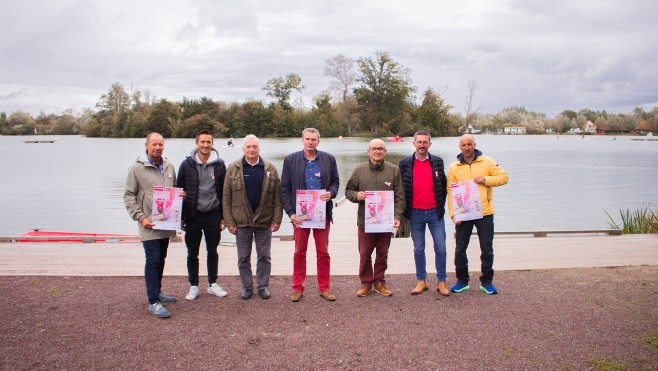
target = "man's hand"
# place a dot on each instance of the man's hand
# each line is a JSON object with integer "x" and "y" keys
{"x": 146, "y": 223}
{"x": 325, "y": 196}
{"x": 360, "y": 196}
{"x": 294, "y": 220}
{"x": 274, "y": 227}
{"x": 232, "y": 229}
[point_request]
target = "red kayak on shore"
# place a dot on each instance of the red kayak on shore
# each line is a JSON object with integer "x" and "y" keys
{"x": 395, "y": 139}
{"x": 38, "y": 235}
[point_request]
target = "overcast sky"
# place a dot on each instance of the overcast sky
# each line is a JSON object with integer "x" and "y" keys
{"x": 546, "y": 56}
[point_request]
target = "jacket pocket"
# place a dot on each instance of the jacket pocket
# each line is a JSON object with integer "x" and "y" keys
{"x": 236, "y": 183}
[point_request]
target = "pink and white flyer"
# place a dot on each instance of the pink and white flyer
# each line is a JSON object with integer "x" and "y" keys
{"x": 310, "y": 209}
{"x": 379, "y": 211}
{"x": 466, "y": 200}
{"x": 167, "y": 208}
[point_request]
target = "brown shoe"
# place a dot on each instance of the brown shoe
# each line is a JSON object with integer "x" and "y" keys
{"x": 296, "y": 296}
{"x": 328, "y": 295}
{"x": 442, "y": 289}
{"x": 420, "y": 287}
{"x": 382, "y": 290}
{"x": 364, "y": 290}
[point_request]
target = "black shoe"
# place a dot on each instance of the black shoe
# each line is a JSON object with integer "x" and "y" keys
{"x": 264, "y": 293}
{"x": 246, "y": 294}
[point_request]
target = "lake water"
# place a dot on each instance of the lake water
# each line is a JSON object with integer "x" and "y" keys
{"x": 76, "y": 183}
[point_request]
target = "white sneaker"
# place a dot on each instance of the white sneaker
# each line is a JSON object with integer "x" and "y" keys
{"x": 194, "y": 292}
{"x": 217, "y": 290}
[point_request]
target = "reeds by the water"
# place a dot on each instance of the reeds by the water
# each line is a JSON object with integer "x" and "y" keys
{"x": 641, "y": 221}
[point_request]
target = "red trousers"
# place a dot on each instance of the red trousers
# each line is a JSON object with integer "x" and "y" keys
{"x": 368, "y": 243}
{"x": 321, "y": 237}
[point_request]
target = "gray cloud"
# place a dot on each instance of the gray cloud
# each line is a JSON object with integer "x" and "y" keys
{"x": 541, "y": 55}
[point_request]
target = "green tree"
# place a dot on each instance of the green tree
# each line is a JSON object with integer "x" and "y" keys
{"x": 164, "y": 118}
{"x": 384, "y": 96}
{"x": 588, "y": 114}
{"x": 324, "y": 117}
{"x": 280, "y": 88}
{"x": 114, "y": 110}
{"x": 4, "y": 126}
{"x": 189, "y": 127}
{"x": 434, "y": 113}
{"x": 249, "y": 118}
{"x": 569, "y": 114}
{"x": 190, "y": 108}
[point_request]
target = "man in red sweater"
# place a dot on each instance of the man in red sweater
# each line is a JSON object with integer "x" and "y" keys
{"x": 424, "y": 182}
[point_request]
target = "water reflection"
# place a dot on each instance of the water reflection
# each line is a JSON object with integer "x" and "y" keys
{"x": 76, "y": 184}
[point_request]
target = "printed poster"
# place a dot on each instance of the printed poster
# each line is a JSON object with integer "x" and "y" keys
{"x": 310, "y": 209}
{"x": 379, "y": 211}
{"x": 167, "y": 208}
{"x": 466, "y": 200}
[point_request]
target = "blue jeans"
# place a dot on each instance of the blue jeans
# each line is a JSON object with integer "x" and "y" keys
{"x": 419, "y": 219}
{"x": 156, "y": 252}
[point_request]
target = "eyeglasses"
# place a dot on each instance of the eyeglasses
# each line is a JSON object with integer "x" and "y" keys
{"x": 378, "y": 149}
{"x": 424, "y": 142}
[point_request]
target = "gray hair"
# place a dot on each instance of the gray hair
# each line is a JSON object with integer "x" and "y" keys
{"x": 250, "y": 138}
{"x": 153, "y": 134}
{"x": 311, "y": 130}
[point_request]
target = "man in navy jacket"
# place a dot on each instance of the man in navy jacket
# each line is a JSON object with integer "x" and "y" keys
{"x": 202, "y": 178}
{"x": 310, "y": 169}
{"x": 424, "y": 181}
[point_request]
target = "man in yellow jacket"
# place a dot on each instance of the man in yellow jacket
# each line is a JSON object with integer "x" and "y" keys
{"x": 472, "y": 165}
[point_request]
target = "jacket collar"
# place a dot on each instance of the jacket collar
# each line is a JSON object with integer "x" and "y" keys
{"x": 460, "y": 156}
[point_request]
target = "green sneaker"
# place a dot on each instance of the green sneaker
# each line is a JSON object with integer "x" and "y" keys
{"x": 489, "y": 288}
{"x": 460, "y": 287}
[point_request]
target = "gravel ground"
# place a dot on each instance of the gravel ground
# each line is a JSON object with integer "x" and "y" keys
{"x": 586, "y": 318}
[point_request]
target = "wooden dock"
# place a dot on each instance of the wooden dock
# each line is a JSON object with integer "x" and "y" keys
{"x": 512, "y": 252}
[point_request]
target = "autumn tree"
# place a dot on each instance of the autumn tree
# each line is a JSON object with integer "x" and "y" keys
{"x": 384, "y": 94}
{"x": 470, "y": 108}
{"x": 342, "y": 70}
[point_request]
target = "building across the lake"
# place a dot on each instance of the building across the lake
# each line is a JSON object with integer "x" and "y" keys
{"x": 514, "y": 130}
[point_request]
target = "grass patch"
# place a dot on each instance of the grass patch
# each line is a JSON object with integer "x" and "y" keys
{"x": 642, "y": 221}
{"x": 652, "y": 339}
{"x": 603, "y": 365}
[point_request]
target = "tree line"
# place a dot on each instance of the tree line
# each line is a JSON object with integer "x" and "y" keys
{"x": 369, "y": 96}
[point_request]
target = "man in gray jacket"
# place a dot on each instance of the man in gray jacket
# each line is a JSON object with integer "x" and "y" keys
{"x": 150, "y": 170}
{"x": 252, "y": 211}
{"x": 375, "y": 175}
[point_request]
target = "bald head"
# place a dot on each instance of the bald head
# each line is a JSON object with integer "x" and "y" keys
{"x": 376, "y": 151}
{"x": 467, "y": 147}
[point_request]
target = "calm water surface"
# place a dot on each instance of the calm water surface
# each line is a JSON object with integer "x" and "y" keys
{"x": 76, "y": 183}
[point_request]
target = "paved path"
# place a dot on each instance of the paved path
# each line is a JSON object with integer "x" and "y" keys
{"x": 511, "y": 253}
